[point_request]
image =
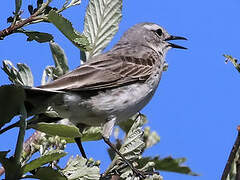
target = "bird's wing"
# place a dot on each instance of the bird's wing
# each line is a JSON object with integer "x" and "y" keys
{"x": 105, "y": 71}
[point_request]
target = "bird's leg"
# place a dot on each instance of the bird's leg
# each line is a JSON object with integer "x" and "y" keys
{"x": 136, "y": 171}
{"x": 80, "y": 146}
{"x": 79, "y": 142}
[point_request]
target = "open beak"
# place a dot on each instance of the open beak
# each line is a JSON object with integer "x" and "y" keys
{"x": 175, "y": 38}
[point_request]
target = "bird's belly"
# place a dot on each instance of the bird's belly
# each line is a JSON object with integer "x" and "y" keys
{"x": 122, "y": 102}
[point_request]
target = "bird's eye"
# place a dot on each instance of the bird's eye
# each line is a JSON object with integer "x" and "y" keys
{"x": 159, "y": 32}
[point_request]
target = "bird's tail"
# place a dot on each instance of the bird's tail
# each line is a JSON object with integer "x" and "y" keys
{"x": 12, "y": 97}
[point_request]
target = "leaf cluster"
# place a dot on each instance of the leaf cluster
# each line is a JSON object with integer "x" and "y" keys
{"x": 101, "y": 24}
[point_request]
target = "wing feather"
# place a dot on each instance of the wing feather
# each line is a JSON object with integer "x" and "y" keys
{"x": 105, "y": 71}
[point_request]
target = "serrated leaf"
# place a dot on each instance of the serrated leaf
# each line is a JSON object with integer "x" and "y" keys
{"x": 21, "y": 76}
{"x": 55, "y": 129}
{"x": 101, "y": 23}
{"x": 128, "y": 175}
{"x": 40, "y": 37}
{"x": 133, "y": 143}
{"x": 168, "y": 164}
{"x": 11, "y": 99}
{"x": 79, "y": 169}
{"x": 154, "y": 177}
{"x": 44, "y": 159}
{"x": 47, "y": 173}
{"x": 67, "y": 29}
{"x": 132, "y": 146}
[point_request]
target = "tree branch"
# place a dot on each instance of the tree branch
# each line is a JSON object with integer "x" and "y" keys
{"x": 13, "y": 27}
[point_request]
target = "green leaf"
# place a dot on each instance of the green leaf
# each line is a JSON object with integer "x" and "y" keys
{"x": 79, "y": 168}
{"x": 72, "y": 3}
{"x": 132, "y": 146}
{"x": 11, "y": 99}
{"x": 44, "y": 159}
{"x": 60, "y": 59}
{"x": 67, "y": 29}
{"x": 21, "y": 76}
{"x": 50, "y": 73}
{"x": 55, "y": 129}
{"x": 126, "y": 125}
{"x": 47, "y": 173}
{"x": 61, "y": 64}
{"x": 168, "y": 164}
{"x": 69, "y": 132}
{"x": 18, "y": 4}
{"x": 128, "y": 175}
{"x": 25, "y": 74}
{"x": 150, "y": 138}
{"x": 92, "y": 134}
{"x": 154, "y": 177}
{"x": 40, "y": 37}
{"x": 101, "y": 23}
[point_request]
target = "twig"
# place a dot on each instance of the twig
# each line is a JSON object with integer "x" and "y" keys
{"x": 13, "y": 27}
{"x": 231, "y": 156}
{"x": 16, "y": 124}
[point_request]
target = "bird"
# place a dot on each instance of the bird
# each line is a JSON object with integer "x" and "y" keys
{"x": 110, "y": 87}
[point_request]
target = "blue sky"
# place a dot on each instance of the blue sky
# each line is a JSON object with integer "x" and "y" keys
{"x": 195, "y": 109}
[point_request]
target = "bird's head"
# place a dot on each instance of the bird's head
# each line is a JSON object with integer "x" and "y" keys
{"x": 152, "y": 35}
